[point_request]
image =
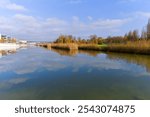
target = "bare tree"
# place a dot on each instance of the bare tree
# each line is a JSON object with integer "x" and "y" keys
{"x": 148, "y": 29}
{"x": 144, "y": 34}
{"x": 135, "y": 34}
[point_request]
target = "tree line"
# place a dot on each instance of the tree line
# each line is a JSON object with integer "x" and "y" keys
{"x": 94, "y": 39}
{"x": 70, "y": 39}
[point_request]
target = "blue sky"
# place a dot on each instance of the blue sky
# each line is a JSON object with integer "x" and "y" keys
{"x": 45, "y": 20}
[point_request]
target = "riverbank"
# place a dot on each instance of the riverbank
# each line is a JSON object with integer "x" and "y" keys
{"x": 134, "y": 47}
{"x": 70, "y": 46}
{"x": 8, "y": 46}
{"x": 11, "y": 46}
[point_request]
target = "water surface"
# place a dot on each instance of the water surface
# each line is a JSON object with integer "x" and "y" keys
{"x": 38, "y": 73}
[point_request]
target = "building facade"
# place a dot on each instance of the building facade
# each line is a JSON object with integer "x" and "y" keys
{"x": 5, "y": 39}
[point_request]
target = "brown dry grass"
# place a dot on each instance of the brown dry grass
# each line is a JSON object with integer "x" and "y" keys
{"x": 88, "y": 47}
{"x": 70, "y": 46}
{"x": 137, "y": 47}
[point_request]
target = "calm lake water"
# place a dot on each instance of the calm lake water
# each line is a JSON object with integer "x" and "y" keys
{"x": 38, "y": 73}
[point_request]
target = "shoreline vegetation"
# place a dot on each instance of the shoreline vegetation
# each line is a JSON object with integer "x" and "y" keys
{"x": 132, "y": 42}
{"x": 137, "y": 47}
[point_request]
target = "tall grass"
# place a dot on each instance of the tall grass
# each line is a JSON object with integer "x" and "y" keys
{"x": 76, "y": 46}
{"x": 137, "y": 47}
{"x": 69, "y": 46}
{"x": 89, "y": 47}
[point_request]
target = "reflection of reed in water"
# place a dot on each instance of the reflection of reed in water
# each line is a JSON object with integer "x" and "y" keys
{"x": 65, "y": 52}
{"x": 89, "y": 52}
{"x": 48, "y": 47}
{"x": 75, "y": 52}
{"x": 143, "y": 60}
{"x": 6, "y": 52}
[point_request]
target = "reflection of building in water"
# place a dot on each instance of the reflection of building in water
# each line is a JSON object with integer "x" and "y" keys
{"x": 6, "y": 52}
{"x": 143, "y": 60}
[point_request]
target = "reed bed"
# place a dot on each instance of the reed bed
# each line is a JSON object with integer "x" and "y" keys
{"x": 89, "y": 47}
{"x": 70, "y": 46}
{"x": 136, "y": 47}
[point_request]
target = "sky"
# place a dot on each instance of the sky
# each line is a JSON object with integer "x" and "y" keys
{"x": 45, "y": 20}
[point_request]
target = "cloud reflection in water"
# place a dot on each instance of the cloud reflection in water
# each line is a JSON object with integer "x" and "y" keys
{"x": 11, "y": 82}
{"x": 31, "y": 60}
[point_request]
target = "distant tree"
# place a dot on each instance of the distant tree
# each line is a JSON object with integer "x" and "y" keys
{"x": 94, "y": 39}
{"x": 126, "y": 36}
{"x": 99, "y": 40}
{"x": 74, "y": 40}
{"x": 115, "y": 39}
{"x": 135, "y": 34}
{"x": 130, "y": 36}
{"x": 148, "y": 29}
{"x": 60, "y": 39}
{"x": 79, "y": 40}
{"x": 84, "y": 41}
{"x": 144, "y": 34}
{"x": 69, "y": 38}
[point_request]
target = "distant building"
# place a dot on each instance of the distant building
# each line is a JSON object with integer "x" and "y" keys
{"x": 5, "y": 39}
{"x": 23, "y": 42}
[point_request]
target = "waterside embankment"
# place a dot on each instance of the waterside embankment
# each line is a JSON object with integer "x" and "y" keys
{"x": 137, "y": 47}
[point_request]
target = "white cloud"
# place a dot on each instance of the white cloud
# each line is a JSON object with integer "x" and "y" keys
{"x": 4, "y": 23}
{"x": 75, "y": 18}
{"x": 24, "y": 18}
{"x": 90, "y": 18}
{"x": 109, "y": 23}
{"x": 33, "y": 28}
{"x": 99, "y": 27}
{"x": 7, "y": 4}
{"x": 11, "y": 82}
{"x": 143, "y": 14}
{"x": 14, "y": 6}
{"x": 17, "y": 81}
{"x": 29, "y": 27}
{"x": 55, "y": 22}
